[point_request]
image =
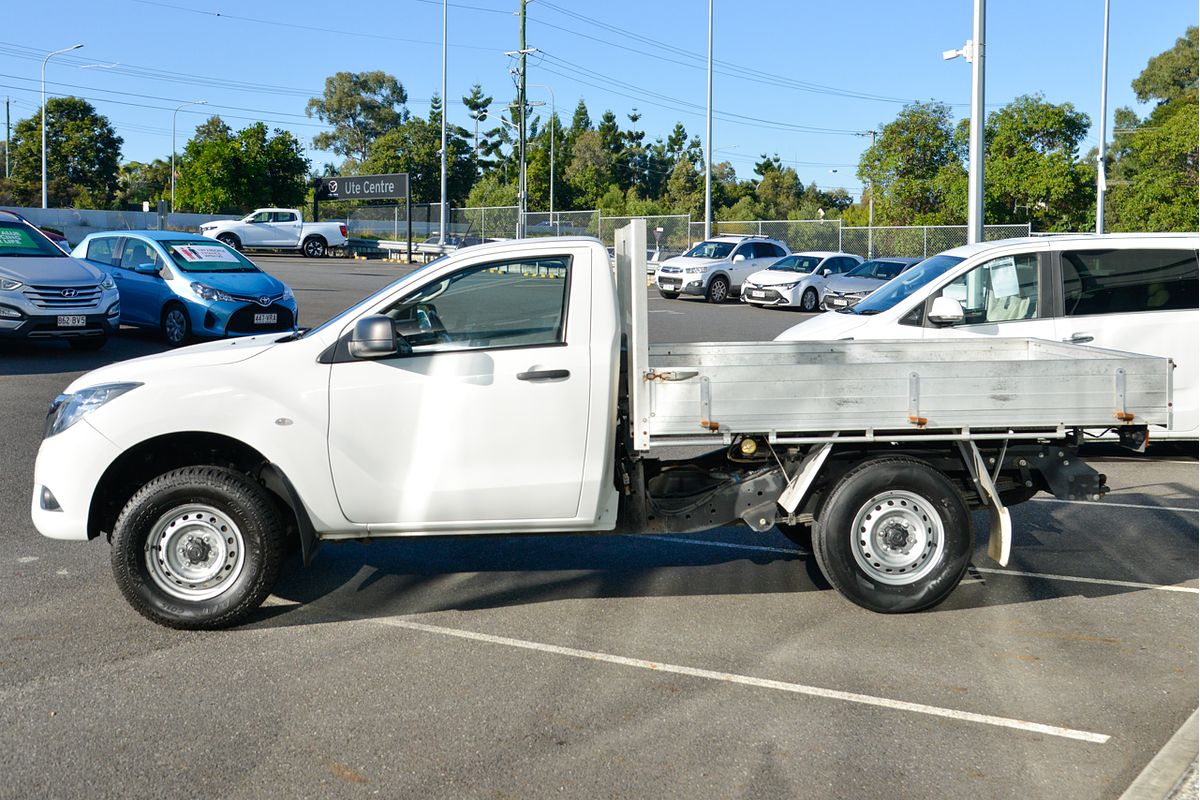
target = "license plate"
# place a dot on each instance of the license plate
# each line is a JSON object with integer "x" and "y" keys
{"x": 758, "y": 294}
{"x": 835, "y": 301}
{"x": 72, "y": 322}
{"x": 266, "y": 319}
{"x": 667, "y": 284}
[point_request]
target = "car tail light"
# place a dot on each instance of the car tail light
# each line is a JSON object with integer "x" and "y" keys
{"x": 342, "y": 228}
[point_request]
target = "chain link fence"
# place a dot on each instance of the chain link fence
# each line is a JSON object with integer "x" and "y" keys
{"x": 919, "y": 241}
{"x": 562, "y": 223}
{"x": 798, "y": 234}
{"x": 670, "y": 233}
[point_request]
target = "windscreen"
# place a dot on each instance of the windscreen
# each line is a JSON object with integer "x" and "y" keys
{"x": 710, "y": 250}
{"x": 904, "y": 285}
{"x": 804, "y": 264}
{"x": 20, "y": 240}
{"x": 192, "y": 256}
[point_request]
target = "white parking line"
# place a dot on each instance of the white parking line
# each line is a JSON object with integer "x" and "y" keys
{"x": 1116, "y": 505}
{"x": 991, "y": 570}
{"x": 745, "y": 680}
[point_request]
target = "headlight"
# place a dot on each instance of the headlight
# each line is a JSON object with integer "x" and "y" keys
{"x": 209, "y": 293}
{"x": 107, "y": 283}
{"x": 695, "y": 270}
{"x": 791, "y": 285}
{"x": 9, "y": 285}
{"x": 287, "y": 293}
{"x": 67, "y": 409}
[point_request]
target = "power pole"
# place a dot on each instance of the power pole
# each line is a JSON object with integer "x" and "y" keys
{"x": 708, "y": 134}
{"x": 1101, "y": 182}
{"x": 445, "y": 110}
{"x": 6, "y": 127}
{"x": 521, "y": 199}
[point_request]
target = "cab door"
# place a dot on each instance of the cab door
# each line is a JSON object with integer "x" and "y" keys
{"x": 284, "y": 228}
{"x": 139, "y": 278}
{"x": 486, "y": 420}
{"x": 256, "y": 232}
{"x": 1006, "y": 296}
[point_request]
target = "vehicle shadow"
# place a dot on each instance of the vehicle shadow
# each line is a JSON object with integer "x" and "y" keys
{"x": 51, "y": 358}
{"x": 427, "y": 575}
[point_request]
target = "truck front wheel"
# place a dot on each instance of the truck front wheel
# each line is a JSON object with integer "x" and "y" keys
{"x": 314, "y": 247}
{"x": 895, "y": 535}
{"x": 198, "y": 548}
{"x": 230, "y": 240}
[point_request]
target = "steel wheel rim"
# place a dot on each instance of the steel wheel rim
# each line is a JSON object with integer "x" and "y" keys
{"x": 175, "y": 325}
{"x": 195, "y": 552}
{"x": 898, "y": 537}
{"x": 719, "y": 290}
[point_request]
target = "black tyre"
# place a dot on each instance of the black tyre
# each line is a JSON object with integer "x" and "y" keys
{"x": 895, "y": 535}
{"x": 230, "y": 240}
{"x": 198, "y": 548}
{"x": 718, "y": 290}
{"x": 176, "y": 325}
{"x": 808, "y": 300}
{"x": 88, "y": 343}
{"x": 313, "y": 247}
{"x": 668, "y": 295}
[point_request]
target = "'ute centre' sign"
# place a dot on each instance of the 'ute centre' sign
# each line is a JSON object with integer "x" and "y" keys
{"x": 363, "y": 187}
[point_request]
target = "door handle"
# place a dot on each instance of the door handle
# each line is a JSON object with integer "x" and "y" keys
{"x": 1079, "y": 338}
{"x": 544, "y": 375}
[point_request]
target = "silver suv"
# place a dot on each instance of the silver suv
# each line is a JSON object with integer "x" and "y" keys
{"x": 716, "y": 268}
{"x": 46, "y": 294}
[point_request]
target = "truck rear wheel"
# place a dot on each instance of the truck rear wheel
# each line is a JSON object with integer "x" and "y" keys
{"x": 313, "y": 247}
{"x": 895, "y": 535}
{"x": 197, "y": 548}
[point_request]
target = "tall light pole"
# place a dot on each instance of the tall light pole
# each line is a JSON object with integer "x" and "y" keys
{"x": 553, "y": 133}
{"x": 445, "y": 104}
{"x": 174, "y": 114}
{"x": 973, "y": 52}
{"x": 44, "y": 60}
{"x": 708, "y": 134}
{"x": 1101, "y": 180}
{"x": 870, "y": 203}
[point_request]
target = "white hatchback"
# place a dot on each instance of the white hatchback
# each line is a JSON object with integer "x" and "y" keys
{"x": 1132, "y": 292}
{"x": 797, "y": 280}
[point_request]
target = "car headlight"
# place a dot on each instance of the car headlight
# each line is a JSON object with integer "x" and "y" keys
{"x": 67, "y": 409}
{"x": 209, "y": 293}
{"x": 695, "y": 270}
{"x": 107, "y": 283}
{"x": 287, "y": 293}
{"x": 9, "y": 285}
{"x": 791, "y": 285}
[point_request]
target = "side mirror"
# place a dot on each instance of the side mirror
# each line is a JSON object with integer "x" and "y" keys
{"x": 375, "y": 337}
{"x": 825, "y": 273}
{"x": 146, "y": 269}
{"x": 945, "y": 311}
{"x": 739, "y": 258}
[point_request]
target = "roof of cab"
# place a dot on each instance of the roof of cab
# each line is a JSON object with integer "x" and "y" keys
{"x": 157, "y": 236}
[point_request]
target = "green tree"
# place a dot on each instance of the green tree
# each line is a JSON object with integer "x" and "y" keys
{"x": 590, "y": 171}
{"x": 139, "y": 182}
{"x": 477, "y": 108}
{"x": 1154, "y": 162}
{"x": 83, "y": 154}
{"x": 906, "y": 166}
{"x": 414, "y": 147}
{"x": 361, "y": 107}
{"x": 223, "y": 171}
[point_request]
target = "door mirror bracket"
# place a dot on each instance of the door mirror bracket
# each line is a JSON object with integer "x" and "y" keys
{"x": 375, "y": 337}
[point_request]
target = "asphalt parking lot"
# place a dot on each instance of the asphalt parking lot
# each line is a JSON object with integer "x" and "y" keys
{"x": 692, "y": 666}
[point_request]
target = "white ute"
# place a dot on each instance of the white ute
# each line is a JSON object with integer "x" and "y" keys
{"x": 278, "y": 229}
{"x": 511, "y": 388}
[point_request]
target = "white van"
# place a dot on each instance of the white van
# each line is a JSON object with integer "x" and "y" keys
{"x": 1134, "y": 292}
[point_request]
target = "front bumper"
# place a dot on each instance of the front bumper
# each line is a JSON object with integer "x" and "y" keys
{"x": 46, "y": 326}
{"x": 768, "y": 296}
{"x": 238, "y": 318}
{"x": 681, "y": 282}
{"x": 69, "y": 465}
{"x": 836, "y": 302}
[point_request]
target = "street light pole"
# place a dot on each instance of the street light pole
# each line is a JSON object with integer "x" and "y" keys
{"x": 553, "y": 134}
{"x": 708, "y": 134}
{"x": 445, "y": 105}
{"x": 1101, "y": 179}
{"x": 870, "y": 203}
{"x": 174, "y": 115}
{"x": 44, "y": 60}
{"x": 973, "y": 52}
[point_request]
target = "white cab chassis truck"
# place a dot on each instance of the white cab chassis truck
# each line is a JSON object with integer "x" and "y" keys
{"x": 511, "y": 388}
{"x": 278, "y": 229}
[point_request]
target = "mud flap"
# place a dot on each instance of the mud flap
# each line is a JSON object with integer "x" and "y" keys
{"x": 1000, "y": 541}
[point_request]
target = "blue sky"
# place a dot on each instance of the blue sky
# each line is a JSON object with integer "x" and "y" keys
{"x": 819, "y": 70}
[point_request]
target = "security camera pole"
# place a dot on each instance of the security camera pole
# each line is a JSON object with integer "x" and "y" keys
{"x": 973, "y": 52}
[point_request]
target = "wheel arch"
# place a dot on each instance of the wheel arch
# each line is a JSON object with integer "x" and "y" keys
{"x": 154, "y": 456}
{"x": 237, "y": 240}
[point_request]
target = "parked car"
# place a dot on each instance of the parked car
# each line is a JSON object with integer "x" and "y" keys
{"x": 859, "y": 282}
{"x": 798, "y": 280}
{"x": 278, "y": 229}
{"x": 187, "y": 285}
{"x": 716, "y": 268}
{"x": 1134, "y": 292}
{"x": 46, "y": 294}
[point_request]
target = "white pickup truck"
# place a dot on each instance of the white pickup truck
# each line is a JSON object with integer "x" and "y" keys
{"x": 278, "y": 229}
{"x": 511, "y": 388}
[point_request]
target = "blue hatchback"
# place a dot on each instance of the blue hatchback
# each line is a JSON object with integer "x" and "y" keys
{"x": 188, "y": 285}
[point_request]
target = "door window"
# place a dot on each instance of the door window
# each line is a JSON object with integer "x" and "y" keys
{"x": 283, "y": 216}
{"x": 101, "y": 250}
{"x": 137, "y": 253}
{"x": 1000, "y": 290}
{"x": 1122, "y": 281}
{"x": 746, "y": 250}
{"x": 262, "y": 216}
{"x": 767, "y": 250}
{"x": 500, "y": 304}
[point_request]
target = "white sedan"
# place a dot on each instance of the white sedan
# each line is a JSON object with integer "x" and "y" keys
{"x": 797, "y": 280}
